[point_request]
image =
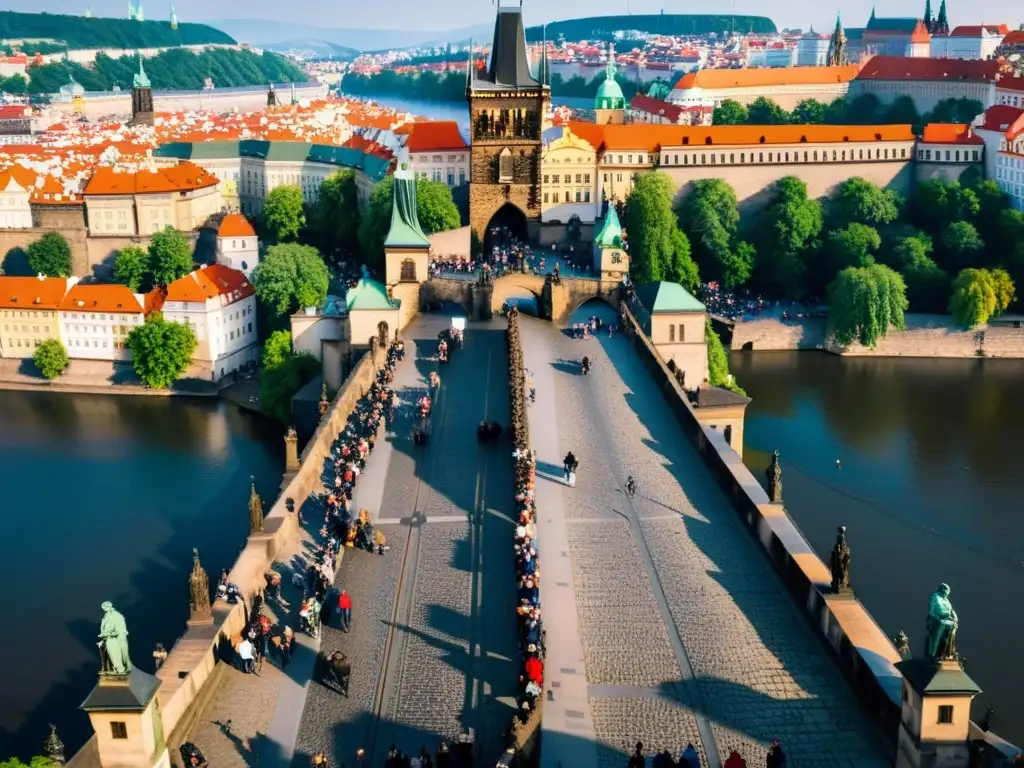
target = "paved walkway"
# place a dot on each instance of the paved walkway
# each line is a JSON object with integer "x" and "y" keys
{"x": 425, "y": 662}
{"x": 686, "y": 634}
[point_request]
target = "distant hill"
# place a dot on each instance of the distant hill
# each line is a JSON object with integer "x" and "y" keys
{"x": 80, "y": 32}
{"x": 270, "y": 33}
{"x": 309, "y": 46}
{"x": 603, "y": 27}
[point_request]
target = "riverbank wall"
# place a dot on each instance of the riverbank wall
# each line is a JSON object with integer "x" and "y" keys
{"x": 865, "y": 654}
{"x": 926, "y": 336}
{"x": 189, "y": 672}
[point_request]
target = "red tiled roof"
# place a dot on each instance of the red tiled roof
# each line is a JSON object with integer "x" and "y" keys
{"x": 750, "y": 78}
{"x": 101, "y": 298}
{"x": 1001, "y": 117}
{"x": 1015, "y": 37}
{"x": 435, "y": 136}
{"x": 175, "y": 178}
{"x": 235, "y": 225}
{"x": 652, "y": 106}
{"x": 14, "y": 112}
{"x": 209, "y": 283}
{"x": 1010, "y": 83}
{"x": 914, "y": 68}
{"x": 969, "y": 31}
{"x": 950, "y": 133}
{"x": 32, "y": 292}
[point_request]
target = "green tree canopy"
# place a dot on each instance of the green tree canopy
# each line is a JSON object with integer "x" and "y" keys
{"x": 284, "y": 213}
{"x": 764, "y": 111}
{"x": 161, "y": 351}
{"x": 290, "y": 277}
{"x": 902, "y": 110}
{"x": 50, "y": 255}
{"x": 279, "y": 384}
{"x": 710, "y": 217}
{"x": 864, "y": 303}
{"x": 962, "y": 246}
{"x": 170, "y": 256}
{"x": 131, "y": 268}
{"x": 38, "y": 761}
{"x": 729, "y": 112}
{"x": 858, "y": 200}
{"x": 927, "y": 284}
{"x": 787, "y": 236}
{"x": 718, "y": 361}
{"x": 334, "y": 217}
{"x": 809, "y": 112}
{"x": 978, "y": 294}
{"x": 435, "y": 209}
{"x": 276, "y": 349}
{"x": 853, "y": 246}
{"x": 51, "y": 358}
{"x": 658, "y": 249}
{"x": 935, "y": 203}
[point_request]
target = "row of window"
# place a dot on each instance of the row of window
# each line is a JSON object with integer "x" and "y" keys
{"x": 24, "y": 328}
{"x": 12, "y": 343}
{"x": 117, "y": 330}
{"x": 811, "y": 156}
{"x": 581, "y": 178}
{"x": 449, "y": 177}
{"x": 440, "y": 158}
{"x": 970, "y": 156}
{"x": 582, "y": 196}
{"x": 103, "y": 317}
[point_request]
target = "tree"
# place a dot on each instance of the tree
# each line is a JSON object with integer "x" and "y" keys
{"x": 809, "y": 112}
{"x": 961, "y": 246}
{"x": 864, "y": 303}
{"x": 787, "y": 235}
{"x": 927, "y": 284}
{"x": 978, "y": 294}
{"x": 658, "y": 249}
{"x": 864, "y": 110}
{"x": 853, "y": 246}
{"x": 903, "y": 110}
{"x": 334, "y": 217}
{"x": 836, "y": 112}
{"x": 276, "y": 349}
{"x": 284, "y": 213}
{"x": 38, "y": 761}
{"x": 50, "y": 255}
{"x": 170, "y": 256}
{"x": 51, "y": 358}
{"x": 279, "y": 384}
{"x": 710, "y": 217}
{"x": 764, "y": 111}
{"x": 936, "y": 203}
{"x": 435, "y": 208}
{"x": 729, "y": 112}
{"x": 289, "y": 277}
{"x": 718, "y": 361}
{"x": 858, "y": 200}
{"x": 131, "y": 267}
{"x": 161, "y": 351}
{"x": 992, "y": 203}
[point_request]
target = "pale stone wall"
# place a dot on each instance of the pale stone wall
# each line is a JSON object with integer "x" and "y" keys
{"x": 775, "y": 334}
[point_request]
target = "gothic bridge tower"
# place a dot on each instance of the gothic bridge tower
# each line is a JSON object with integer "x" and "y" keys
{"x": 507, "y": 107}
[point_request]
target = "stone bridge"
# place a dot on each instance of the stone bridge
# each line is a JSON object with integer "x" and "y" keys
{"x": 555, "y": 301}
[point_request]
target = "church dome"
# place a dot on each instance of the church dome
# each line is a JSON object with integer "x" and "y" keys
{"x": 609, "y": 95}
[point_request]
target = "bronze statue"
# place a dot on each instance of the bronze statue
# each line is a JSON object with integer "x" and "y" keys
{"x": 199, "y": 588}
{"x": 941, "y": 627}
{"x": 774, "y": 475}
{"x": 903, "y": 645}
{"x": 840, "y": 563}
{"x": 54, "y": 746}
{"x": 113, "y": 643}
{"x": 255, "y": 509}
{"x": 324, "y": 402}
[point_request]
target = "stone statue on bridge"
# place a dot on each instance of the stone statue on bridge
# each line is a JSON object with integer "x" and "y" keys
{"x": 199, "y": 588}
{"x": 113, "y": 643}
{"x": 941, "y": 626}
{"x": 255, "y": 508}
{"x": 324, "y": 402}
{"x": 903, "y": 645}
{"x": 774, "y": 475}
{"x": 840, "y": 563}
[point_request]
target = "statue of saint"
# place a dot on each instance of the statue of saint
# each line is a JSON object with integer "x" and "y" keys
{"x": 774, "y": 475}
{"x": 198, "y": 587}
{"x": 903, "y": 645}
{"x": 324, "y": 402}
{"x": 255, "y": 509}
{"x": 113, "y": 642}
{"x": 941, "y": 626}
{"x": 840, "y": 563}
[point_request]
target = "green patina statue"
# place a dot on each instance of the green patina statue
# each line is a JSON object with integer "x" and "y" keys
{"x": 113, "y": 643}
{"x": 942, "y": 624}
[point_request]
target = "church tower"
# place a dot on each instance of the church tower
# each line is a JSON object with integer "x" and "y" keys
{"x": 610, "y": 104}
{"x": 836, "y": 56}
{"x": 142, "y": 97}
{"x": 507, "y": 107}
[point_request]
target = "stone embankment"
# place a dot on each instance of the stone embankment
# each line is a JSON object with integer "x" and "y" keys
{"x": 926, "y": 336}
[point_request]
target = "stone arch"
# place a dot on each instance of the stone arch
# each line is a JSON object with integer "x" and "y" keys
{"x": 517, "y": 286}
{"x": 508, "y": 216}
{"x": 603, "y": 304}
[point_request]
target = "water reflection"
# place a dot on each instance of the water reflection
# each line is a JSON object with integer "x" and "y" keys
{"x": 104, "y": 499}
{"x": 931, "y": 486}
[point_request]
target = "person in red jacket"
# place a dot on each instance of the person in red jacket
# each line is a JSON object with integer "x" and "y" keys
{"x": 735, "y": 761}
{"x": 535, "y": 670}
{"x": 345, "y": 609}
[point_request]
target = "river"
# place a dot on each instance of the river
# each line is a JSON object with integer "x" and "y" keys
{"x": 931, "y": 489}
{"x": 104, "y": 498}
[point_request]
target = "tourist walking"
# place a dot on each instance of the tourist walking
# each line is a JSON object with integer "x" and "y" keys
{"x": 638, "y": 760}
{"x": 776, "y": 757}
{"x": 246, "y": 657}
{"x": 345, "y": 609}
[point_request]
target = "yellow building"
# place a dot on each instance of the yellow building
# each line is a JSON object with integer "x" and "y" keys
{"x": 675, "y": 322}
{"x": 28, "y": 312}
{"x": 568, "y": 172}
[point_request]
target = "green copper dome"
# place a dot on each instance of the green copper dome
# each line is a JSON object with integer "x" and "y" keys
{"x": 609, "y": 94}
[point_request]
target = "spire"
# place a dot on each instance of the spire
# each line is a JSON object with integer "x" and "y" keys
{"x": 609, "y": 67}
{"x": 544, "y": 66}
{"x": 872, "y": 13}
{"x": 140, "y": 80}
{"x": 138, "y": 12}
{"x": 929, "y": 23}
{"x": 942, "y": 22}
{"x": 405, "y": 230}
{"x": 174, "y": 18}
{"x": 469, "y": 64}
{"x": 836, "y": 56}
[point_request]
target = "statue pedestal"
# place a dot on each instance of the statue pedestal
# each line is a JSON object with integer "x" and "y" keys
{"x": 126, "y": 717}
{"x": 935, "y": 717}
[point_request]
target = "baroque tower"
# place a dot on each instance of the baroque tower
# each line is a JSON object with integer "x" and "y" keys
{"x": 507, "y": 107}
{"x": 142, "y": 97}
{"x": 836, "y": 56}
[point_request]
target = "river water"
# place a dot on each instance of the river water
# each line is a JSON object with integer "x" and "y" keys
{"x": 103, "y": 499}
{"x": 931, "y": 489}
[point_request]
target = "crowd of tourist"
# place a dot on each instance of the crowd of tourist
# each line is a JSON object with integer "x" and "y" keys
{"x": 688, "y": 758}
{"x": 746, "y": 304}
{"x": 528, "y": 608}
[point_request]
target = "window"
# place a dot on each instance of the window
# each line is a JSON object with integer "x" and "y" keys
{"x": 579, "y": 178}
{"x": 556, "y": 179}
{"x": 671, "y": 333}
{"x": 682, "y": 334}
{"x": 579, "y": 195}
{"x": 554, "y": 197}
{"x": 546, "y": 196}
{"x": 250, "y": 327}
{"x": 462, "y": 176}
{"x": 118, "y": 730}
{"x": 545, "y": 178}
{"x": 408, "y": 273}
{"x": 945, "y": 714}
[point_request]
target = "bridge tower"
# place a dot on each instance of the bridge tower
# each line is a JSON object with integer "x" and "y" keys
{"x": 507, "y": 106}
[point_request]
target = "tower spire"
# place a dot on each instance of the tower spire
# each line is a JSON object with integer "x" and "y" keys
{"x": 836, "y": 56}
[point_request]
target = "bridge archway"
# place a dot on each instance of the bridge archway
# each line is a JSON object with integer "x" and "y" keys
{"x": 508, "y": 221}
{"x": 524, "y": 290}
{"x": 594, "y": 306}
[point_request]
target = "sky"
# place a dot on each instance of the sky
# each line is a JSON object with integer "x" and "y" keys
{"x": 451, "y": 14}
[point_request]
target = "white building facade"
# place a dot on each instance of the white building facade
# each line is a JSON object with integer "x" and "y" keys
{"x": 15, "y": 211}
{"x": 969, "y": 42}
{"x": 95, "y": 321}
{"x": 812, "y": 50}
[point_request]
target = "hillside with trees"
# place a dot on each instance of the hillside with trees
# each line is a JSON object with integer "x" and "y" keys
{"x": 677, "y": 24}
{"x": 80, "y": 32}
{"x": 176, "y": 69}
